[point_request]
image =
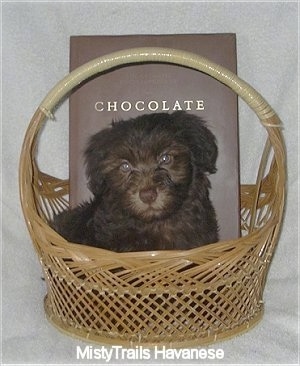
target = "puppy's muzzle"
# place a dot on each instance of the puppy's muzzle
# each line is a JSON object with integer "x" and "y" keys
{"x": 148, "y": 195}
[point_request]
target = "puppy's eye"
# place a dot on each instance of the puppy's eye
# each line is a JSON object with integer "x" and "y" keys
{"x": 125, "y": 167}
{"x": 165, "y": 159}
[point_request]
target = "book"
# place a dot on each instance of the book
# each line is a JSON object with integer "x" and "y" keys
{"x": 133, "y": 90}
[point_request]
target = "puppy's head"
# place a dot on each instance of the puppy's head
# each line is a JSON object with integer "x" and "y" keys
{"x": 147, "y": 165}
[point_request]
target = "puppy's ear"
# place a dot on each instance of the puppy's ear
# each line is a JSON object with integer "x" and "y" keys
{"x": 95, "y": 154}
{"x": 200, "y": 140}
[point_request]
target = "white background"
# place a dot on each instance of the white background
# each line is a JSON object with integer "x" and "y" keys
{"x": 35, "y": 55}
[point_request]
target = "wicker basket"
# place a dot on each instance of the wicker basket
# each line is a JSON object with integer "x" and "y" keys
{"x": 171, "y": 298}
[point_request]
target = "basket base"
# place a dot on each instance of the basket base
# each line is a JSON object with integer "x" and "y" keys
{"x": 90, "y": 336}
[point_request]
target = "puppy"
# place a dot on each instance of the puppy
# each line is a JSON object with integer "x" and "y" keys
{"x": 149, "y": 179}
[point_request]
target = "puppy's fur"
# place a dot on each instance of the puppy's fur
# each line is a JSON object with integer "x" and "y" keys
{"x": 149, "y": 179}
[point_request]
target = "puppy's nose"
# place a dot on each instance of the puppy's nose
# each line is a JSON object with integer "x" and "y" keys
{"x": 148, "y": 195}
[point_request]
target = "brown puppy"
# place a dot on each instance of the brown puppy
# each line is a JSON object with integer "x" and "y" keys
{"x": 149, "y": 179}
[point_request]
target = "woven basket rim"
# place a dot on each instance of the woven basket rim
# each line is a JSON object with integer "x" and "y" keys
{"x": 159, "y": 254}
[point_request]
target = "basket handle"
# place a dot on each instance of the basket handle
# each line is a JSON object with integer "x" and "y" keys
{"x": 267, "y": 116}
{"x": 161, "y": 55}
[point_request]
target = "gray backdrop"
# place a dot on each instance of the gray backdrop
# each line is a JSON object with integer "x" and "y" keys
{"x": 35, "y": 55}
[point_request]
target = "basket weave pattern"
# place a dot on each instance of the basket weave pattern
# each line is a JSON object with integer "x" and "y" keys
{"x": 173, "y": 298}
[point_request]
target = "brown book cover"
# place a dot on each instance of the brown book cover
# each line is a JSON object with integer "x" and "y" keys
{"x": 147, "y": 88}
